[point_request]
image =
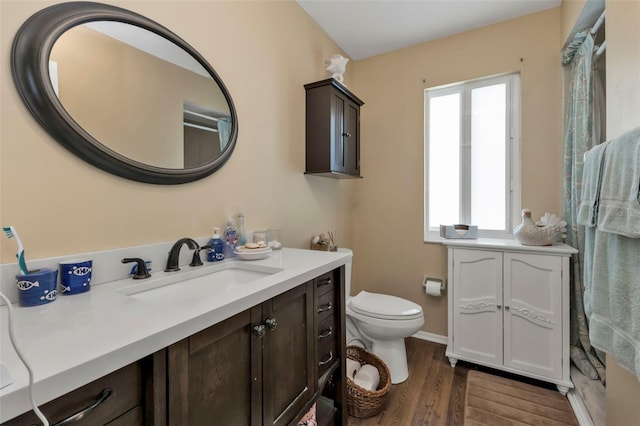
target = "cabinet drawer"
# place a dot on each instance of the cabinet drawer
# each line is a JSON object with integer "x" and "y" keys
{"x": 326, "y": 331}
{"x": 126, "y": 387}
{"x": 324, "y": 283}
{"x": 326, "y": 306}
{"x": 327, "y": 347}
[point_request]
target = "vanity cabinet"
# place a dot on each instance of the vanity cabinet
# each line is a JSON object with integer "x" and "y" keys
{"x": 509, "y": 309}
{"x": 119, "y": 398}
{"x": 267, "y": 365}
{"x": 332, "y": 130}
{"x": 255, "y": 368}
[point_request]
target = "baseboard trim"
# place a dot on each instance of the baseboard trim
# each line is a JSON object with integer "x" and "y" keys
{"x": 431, "y": 337}
{"x": 579, "y": 409}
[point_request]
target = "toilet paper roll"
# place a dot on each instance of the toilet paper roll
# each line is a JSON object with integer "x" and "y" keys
{"x": 367, "y": 377}
{"x": 433, "y": 288}
{"x": 353, "y": 367}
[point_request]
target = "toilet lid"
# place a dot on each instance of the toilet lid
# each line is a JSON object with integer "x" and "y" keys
{"x": 384, "y": 306}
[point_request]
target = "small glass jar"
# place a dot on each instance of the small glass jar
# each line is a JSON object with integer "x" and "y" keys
{"x": 259, "y": 236}
{"x": 274, "y": 238}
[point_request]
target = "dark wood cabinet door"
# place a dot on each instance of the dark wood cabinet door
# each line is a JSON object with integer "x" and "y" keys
{"x": 289, "y": 377}
{"x": 351, "y": 138}
{"x": 338, "y": 135}
{"x": 345, "y": 152}
{"x": 215, "y": 376}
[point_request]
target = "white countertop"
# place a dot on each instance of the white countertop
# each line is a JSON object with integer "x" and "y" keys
{"x": 509, "y": 245}
{"x": 77, "y": 339}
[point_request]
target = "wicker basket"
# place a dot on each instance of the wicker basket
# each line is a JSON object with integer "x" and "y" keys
{"x": 361, "y": 402}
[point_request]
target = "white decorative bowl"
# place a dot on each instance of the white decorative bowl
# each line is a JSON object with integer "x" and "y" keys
{"x": 252, "y": 254}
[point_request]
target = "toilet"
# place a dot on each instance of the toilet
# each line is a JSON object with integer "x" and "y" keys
{"x": 380, "y": 323}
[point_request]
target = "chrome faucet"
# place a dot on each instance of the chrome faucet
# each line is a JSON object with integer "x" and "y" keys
{"x": 174, "y": 254}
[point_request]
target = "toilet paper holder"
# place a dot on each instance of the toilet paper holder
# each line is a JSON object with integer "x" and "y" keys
{"x": 440, "y": 281}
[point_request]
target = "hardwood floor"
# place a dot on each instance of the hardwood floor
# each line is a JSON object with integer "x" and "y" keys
{"x": 434, "y": 393}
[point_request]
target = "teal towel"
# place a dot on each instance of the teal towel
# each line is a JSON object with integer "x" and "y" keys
{"x": 612, "y": 295}
{"x": 610, "y": 210}
{"x": 618, "y": 206}
{"x": 591, "y": 177}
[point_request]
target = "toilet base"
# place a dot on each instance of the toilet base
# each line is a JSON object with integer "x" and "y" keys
{"x": 394, "y": 354}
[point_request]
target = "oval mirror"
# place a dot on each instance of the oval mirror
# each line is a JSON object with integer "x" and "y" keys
{"x": 124, "y": 93}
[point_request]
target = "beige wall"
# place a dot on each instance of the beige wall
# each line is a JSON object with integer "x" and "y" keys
{"x": 571, "y": 10}
{"x": 389, "y": 253}
{"x": 623, "y": 113}
{"x": 265, "y": 52}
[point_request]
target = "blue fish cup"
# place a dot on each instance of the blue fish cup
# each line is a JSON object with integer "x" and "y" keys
{"x": 37, "y": 287}
{"x": 75, "y": 276}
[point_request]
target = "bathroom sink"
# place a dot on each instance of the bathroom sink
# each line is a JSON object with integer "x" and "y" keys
{"x": 198, "y": 283}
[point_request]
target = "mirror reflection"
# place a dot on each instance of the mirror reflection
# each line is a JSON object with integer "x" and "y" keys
{"x": 140, "y": 95}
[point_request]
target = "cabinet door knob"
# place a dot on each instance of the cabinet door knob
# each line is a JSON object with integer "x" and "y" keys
{"x": 499, "y": 306}
{"x": 271, "y": 323}
{"x": 259, "y": 330}
{"x": 346, "y": 134}
{"x": 506, "y": 307}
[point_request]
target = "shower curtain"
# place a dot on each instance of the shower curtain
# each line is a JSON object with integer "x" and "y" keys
{"x": 578, "y": 139}
{"x": 224, "y": 132}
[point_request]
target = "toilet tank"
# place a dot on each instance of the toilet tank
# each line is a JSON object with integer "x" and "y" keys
{"x": 347, "y": 272}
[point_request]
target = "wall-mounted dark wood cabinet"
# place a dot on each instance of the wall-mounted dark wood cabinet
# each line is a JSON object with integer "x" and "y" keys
{"x": 332, "y": 130}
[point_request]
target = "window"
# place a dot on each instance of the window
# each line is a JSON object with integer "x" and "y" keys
{"x": 472, "y": 171}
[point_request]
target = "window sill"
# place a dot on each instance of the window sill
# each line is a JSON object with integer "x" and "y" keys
{"x": 433, "y": 237}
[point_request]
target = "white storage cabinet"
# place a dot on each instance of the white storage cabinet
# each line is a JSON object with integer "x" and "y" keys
{"x": 509, "y": 308}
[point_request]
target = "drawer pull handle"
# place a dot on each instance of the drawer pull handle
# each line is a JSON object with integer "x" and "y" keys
{"x": 324, "y": 282}
{"x": 327, "y": 360}
{"x": 326, "y": 333}
{"x": 104, "y": 395}
{"x": 325, "y": 308}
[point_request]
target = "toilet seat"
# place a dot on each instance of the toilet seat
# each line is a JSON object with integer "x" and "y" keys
{"x": 384, "y": 306}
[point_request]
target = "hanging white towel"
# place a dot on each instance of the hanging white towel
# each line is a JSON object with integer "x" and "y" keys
{"x": 612, "y": 249}
{"x": 591, "y": 177}
{"x": 619, "y": 199}
{"x": 612, "y": 296}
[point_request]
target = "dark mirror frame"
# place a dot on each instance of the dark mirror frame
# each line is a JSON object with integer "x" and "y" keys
{"x": 30, "y": 67}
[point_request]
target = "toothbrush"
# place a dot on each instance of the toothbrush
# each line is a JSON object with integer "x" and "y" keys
{"x": 11, "y": 232}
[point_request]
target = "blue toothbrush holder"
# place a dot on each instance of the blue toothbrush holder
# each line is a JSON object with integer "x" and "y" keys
{"x": 75, "y": 276}
{"x": 37, "y": 287}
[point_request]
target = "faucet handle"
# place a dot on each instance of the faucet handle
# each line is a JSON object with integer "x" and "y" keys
{"x": 141, "y": 271}
{"x": 196, "y": 260}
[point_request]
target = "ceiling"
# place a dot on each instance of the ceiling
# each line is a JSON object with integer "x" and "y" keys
{"x": 364, "y": 28}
